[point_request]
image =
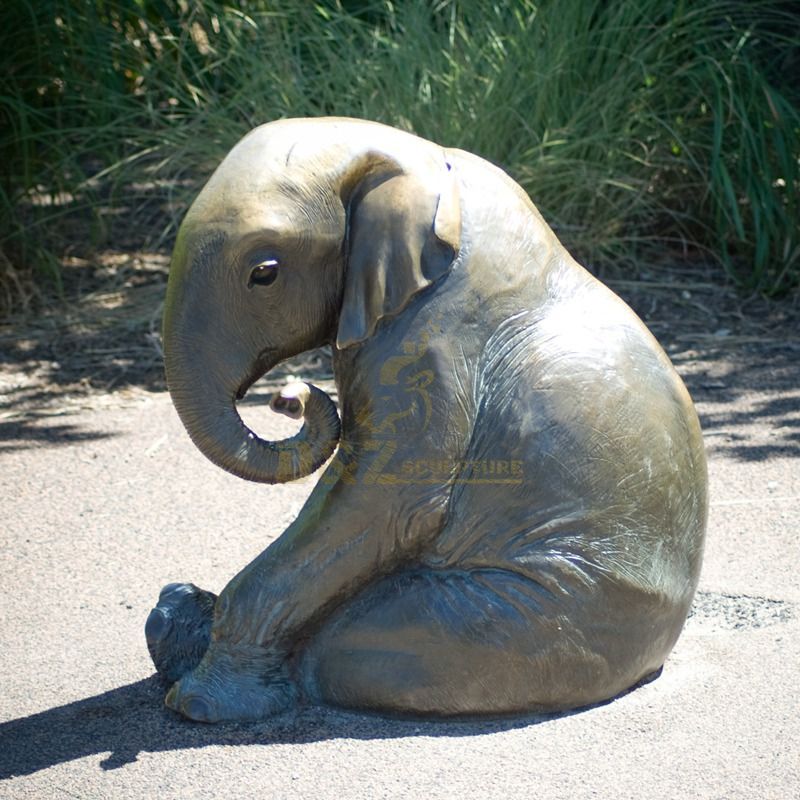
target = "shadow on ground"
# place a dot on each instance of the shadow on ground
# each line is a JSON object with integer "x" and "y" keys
{"x": 132, "y": 719}
{"x": 24, "y": 433}
{"x": 748, "y": 399}
{"x": 103, "y": 340}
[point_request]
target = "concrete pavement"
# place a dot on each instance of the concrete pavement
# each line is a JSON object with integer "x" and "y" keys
{"x": 101, "y": 506}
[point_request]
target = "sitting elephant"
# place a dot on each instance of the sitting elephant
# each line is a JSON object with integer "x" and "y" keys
{"x": 514, "y": 514}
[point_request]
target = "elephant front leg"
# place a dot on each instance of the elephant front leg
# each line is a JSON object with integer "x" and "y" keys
{"x": 234, "y": 682}
{"x": 350, "y": 531}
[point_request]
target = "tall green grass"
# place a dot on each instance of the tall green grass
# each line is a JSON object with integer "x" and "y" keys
{"x": 641, "y": 128}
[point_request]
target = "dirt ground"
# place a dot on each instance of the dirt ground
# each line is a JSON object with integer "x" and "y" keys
{"x": 103, "y": 499}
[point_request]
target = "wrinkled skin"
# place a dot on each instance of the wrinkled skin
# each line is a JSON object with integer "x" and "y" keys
{"x": 514, "y": 518}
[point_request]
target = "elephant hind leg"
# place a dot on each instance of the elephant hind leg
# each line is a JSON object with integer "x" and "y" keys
{"x": 485, "y": 642}
{"x": 178, "y": 629}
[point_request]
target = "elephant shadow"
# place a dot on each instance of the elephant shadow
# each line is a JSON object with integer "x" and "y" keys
{"x": 131, "y": 719}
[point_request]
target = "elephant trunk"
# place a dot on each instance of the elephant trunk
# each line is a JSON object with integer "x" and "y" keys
{"x": 213, "y": 422}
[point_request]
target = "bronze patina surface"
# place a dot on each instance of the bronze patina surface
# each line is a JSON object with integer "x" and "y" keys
{"x": 513, "y": 516}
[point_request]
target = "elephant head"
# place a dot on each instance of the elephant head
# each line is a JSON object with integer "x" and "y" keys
{"x": 306, "y": 234}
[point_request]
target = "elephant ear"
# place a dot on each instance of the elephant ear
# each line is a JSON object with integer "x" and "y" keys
{"x": 403, "y": 233}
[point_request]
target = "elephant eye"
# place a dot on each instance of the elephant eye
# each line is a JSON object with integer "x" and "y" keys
{"x": 264, "y": 273}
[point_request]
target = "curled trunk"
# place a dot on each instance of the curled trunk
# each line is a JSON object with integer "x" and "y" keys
{"x": 222, "y": 436}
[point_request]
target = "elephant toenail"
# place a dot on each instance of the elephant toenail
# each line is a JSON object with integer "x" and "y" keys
{"x": 157, "y": 626}
{"x": 197, "y": 709}
{"x": 169, "y": 589}
{"x": 171, "y": 700}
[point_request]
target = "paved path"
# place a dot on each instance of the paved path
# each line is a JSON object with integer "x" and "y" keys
{"x": 101, "y": 506}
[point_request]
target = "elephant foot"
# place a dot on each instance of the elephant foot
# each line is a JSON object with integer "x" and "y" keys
{"x": 178, "y": 629}
{"x": 233, "y": 683}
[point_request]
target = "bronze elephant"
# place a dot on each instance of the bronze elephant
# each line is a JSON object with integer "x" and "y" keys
{"x": 514, "y": 513}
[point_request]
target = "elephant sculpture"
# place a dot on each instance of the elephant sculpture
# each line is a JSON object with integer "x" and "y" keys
{"x": 513, "y": 516}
